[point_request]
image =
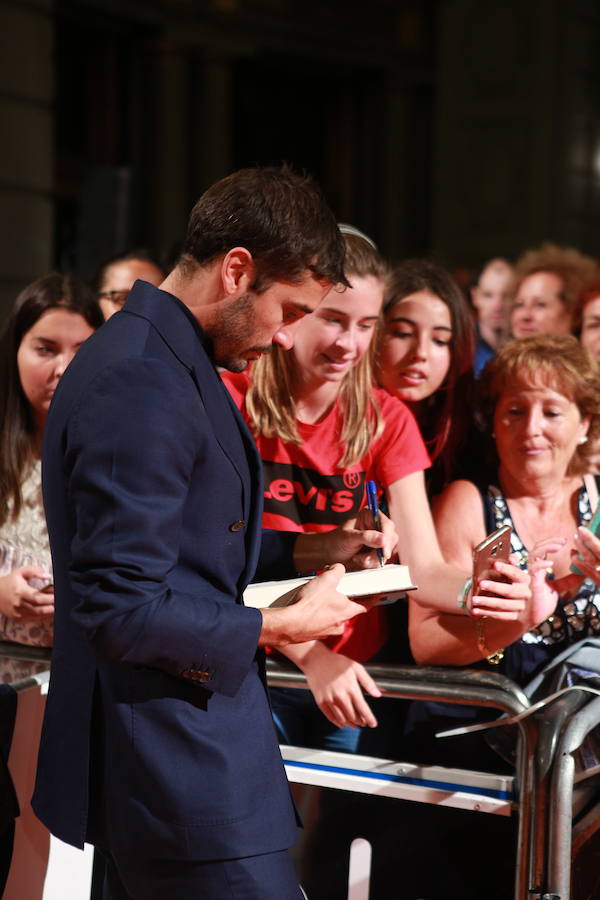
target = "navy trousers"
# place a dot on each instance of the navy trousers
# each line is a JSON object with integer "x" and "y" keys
{"x": 270, "y": 876}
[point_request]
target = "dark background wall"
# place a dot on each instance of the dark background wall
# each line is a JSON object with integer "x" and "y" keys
{"x": 448, "y": 127}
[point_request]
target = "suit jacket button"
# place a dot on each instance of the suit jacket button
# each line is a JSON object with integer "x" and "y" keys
{"x": 237, "y": 526}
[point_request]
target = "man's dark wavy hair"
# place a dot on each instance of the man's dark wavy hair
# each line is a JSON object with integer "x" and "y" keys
{"x": 279, "y": 216}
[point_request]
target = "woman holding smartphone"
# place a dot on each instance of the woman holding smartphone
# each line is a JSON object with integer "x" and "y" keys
{"x": 48, "y": 323}
{"x": 543, "y": 395}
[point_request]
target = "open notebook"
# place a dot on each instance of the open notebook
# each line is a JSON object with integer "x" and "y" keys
{"x": 390, "y": 580}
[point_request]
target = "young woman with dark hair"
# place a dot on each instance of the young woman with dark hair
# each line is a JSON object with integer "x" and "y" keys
{"x": 425, "y": 358}
{"x": 49, "y": 321}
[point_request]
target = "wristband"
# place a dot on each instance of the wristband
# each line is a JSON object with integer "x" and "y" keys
{"x": 461, "y": 599}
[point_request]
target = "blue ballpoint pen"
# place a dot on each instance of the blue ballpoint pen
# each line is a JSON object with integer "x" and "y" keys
{"x": 374, "y": 507}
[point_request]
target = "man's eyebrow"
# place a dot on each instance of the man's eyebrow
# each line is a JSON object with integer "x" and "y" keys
{"x": 302, "y": 307}
{"x": 412, "y": 322}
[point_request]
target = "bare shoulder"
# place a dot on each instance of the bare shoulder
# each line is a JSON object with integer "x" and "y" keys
{"x": 463, "y": 495}
{"x": 459, "y": 519}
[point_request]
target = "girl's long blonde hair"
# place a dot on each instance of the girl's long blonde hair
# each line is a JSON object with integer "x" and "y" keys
{"x": 269, "y": 402}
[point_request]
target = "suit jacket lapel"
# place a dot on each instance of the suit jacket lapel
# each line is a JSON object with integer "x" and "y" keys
{"x": 186, "y": 339}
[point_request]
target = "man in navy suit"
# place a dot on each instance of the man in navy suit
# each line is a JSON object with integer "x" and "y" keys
{"x": 158, "y": 745}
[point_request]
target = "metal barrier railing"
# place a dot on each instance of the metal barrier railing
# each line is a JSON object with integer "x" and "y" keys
{"x": 25, "y": 651}
{"x": 548, "y": 735}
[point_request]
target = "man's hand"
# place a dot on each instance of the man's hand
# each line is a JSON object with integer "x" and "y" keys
{"x": 354, "y": 544}
{"x": 319, "y": 611}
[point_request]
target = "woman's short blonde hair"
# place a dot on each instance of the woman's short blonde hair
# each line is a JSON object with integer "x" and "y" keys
{"x": 561, "y": 363}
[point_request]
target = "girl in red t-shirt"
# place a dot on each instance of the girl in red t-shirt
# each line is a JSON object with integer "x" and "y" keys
{"x": 322, "y": 431}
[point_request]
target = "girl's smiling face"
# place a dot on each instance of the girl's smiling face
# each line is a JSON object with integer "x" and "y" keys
{"x": 415, "y": 352}
{"x": 331, "y": 341}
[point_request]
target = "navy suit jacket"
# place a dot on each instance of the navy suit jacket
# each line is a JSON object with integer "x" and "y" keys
{"x": 157, "y": 727}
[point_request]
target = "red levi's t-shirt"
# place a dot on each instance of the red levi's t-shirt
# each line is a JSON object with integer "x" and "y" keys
{"x": 306, "y": 491}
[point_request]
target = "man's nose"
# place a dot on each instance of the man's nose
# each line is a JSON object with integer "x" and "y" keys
{"x": 284, "y": 336}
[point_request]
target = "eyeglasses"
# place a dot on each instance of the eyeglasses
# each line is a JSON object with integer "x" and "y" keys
{"x": 116, "y": 297}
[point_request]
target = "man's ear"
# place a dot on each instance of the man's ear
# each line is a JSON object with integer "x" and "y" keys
{"x": 237, "y": 272}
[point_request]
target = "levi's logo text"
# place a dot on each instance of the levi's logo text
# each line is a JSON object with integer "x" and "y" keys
{"x": 307, "y": 496}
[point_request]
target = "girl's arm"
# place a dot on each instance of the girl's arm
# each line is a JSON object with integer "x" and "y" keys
{"x": 337, "y": 683}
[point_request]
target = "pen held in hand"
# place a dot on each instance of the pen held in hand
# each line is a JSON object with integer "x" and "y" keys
{"x": 374, "y": 507}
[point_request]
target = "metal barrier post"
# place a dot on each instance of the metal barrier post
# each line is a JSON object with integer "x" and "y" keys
{"x": 461, "y": 686}
{"x": 548, "y": 736}
{"x": 549, "y": 722}
{"x": 561, "y": 797}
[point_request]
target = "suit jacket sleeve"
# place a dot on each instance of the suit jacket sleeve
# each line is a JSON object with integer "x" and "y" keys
{"x": 132, "y": 449}
{"x": 276, "y": 559}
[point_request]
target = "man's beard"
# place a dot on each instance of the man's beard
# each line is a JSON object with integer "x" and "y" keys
{"x": 232, "y": 330}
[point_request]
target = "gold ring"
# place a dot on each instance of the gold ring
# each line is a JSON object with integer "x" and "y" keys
{"x": 597, "y": 568}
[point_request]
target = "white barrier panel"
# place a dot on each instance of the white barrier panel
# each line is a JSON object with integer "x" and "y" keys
{"x": 477, "y": 791}
{"x": 69, "y": 873}
{"x": 359, "y": 870}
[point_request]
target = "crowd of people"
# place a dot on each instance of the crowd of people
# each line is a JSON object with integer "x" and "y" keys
{"x": 469, "y": 412}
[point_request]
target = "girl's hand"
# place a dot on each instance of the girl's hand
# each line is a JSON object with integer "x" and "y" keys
{"x": 19, "y": 600}
{"x": 355, "y": 543}
{"x": 338, "y": 685}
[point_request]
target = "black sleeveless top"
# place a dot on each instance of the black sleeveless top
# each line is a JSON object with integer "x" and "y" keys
{"x": 574, "y": 618}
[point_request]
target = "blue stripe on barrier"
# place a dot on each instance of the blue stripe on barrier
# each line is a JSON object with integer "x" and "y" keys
{"x": 406, "y": 779}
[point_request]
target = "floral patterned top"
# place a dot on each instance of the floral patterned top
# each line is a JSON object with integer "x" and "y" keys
{"x": 25, "y": 542}
{"x": 574, "y": 618}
